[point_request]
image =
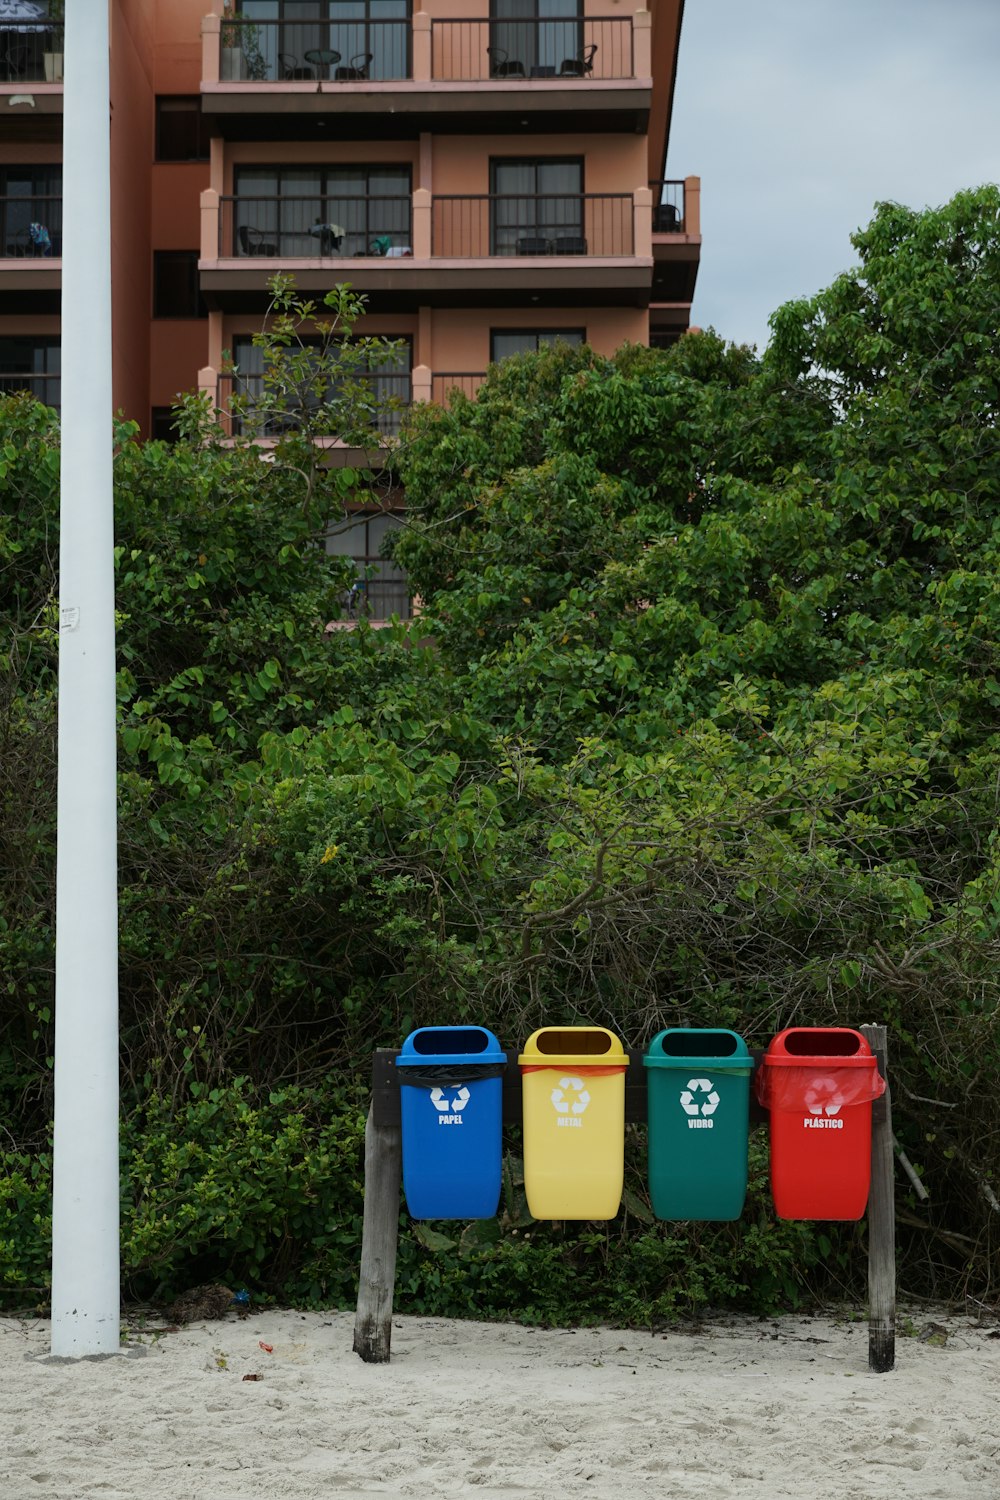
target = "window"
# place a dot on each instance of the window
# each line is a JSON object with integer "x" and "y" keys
{"x": 290, "y": 211}
{"x": 31, "y": 196}
{"x": 537, "y": 207}
{"x": 381, "y": 587}
{"x": 387, "y": 381}
{"x": 371, "y": 37}
{"x": 31, "y": 364}
{"x": 533, "y": 38}
{"x": 162, "y": 425}
{"x": 176, "y": 290}
{"x": 182, "y": 132}
{"x": 507, "y": 341}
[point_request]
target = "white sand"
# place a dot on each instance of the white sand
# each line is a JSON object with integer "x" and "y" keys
{"x": 736, "y": 1408}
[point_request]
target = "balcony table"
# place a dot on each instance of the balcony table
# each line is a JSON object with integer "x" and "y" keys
{"x": 322, "y": 57}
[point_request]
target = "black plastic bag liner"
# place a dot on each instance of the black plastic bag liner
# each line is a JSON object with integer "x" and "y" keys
{"x": 434, "y": 1075}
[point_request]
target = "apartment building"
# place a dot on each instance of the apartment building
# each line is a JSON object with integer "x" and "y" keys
{"x": 489, "y": 173}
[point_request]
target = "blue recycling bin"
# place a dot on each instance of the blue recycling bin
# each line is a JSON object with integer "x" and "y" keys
{"x": 451, "y": 1096}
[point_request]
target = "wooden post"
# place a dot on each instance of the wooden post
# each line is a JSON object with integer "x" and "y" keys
{"x": 379, "y": 1234}
{"x": 881, "y": 1223}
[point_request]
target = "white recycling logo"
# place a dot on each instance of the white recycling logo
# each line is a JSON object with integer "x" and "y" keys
{"x": 708, "y": 1105}
{"x": 447, "y": 1106}
{"x": 564, "y": 1106}
{"x": 819, "y": 1097}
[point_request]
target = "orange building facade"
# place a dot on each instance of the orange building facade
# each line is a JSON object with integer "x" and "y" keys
{"x": 489, "y": 173}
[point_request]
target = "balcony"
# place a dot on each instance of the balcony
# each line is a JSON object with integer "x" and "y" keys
{"x": 278, "y": 78}
{"x": 676, "y": 248}
{"x": 387, "y": 386}
{"x": 30, "y": 226}
{"x": 301, "y": 228}
{"x": 31, "y": 53}
{"x": 31, "y": 91}
{"x": 30, "y": 253}
{"x": 446, "y": 250}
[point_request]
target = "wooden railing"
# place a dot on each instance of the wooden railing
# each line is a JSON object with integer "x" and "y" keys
{"x": 468, "y": 382}
{"x": 533, "y": 50}
{"x": 533, "y": 224}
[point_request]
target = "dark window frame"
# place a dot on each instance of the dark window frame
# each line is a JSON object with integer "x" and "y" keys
{"x": 36, "y": 382}
{"x": 167, "y": 104}
{"x": 195, "y": 307}
{"x": 553, "y": 335}
{"x": 534, "y": 37}
{"x": 362, "y": 600}
{"x": 532, "y": 236}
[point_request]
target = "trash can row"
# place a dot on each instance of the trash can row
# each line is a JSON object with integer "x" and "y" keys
{"x": 818, "y": 1085}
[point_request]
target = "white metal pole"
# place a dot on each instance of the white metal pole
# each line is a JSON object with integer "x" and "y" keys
{"x": 85, "y": 1247}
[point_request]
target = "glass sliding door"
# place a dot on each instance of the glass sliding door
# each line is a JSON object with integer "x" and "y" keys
{"x": 537, "y": 207}
{"x": 537, "y": 34}
{"x": 373, "y": 207}
{"x": 33, "y": 365}
{"x": 505, "y": 342}
{"x": 372, "y": 37}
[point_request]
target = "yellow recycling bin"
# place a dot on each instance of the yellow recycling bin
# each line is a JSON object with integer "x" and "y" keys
{"x": 573, "y": 1100}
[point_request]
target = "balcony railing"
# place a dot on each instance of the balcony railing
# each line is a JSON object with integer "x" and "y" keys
{"x": 343, "y": 48}
{"x": 385, "y": 386}
{"x": 44, "y": 388}
{"x": 594, "y": 224}
{"x": 31, "y": 53}
{"x": 380, "y": 592}
{"x": 287, "y": 228}
{"x": 529, "y": 50}
{"x": 468, "y": 382}
{"x": 668, "y": 207}
{"x": 30, "y": 226}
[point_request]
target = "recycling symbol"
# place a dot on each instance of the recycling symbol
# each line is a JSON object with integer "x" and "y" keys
{"x": 820, "y": 1095}
{"x": 453, "y": 1106}
{"x": 564, "y": 1106}
{"x": 690, "y": 1105}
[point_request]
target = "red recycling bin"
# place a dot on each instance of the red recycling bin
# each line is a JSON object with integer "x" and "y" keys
{"x": 818, "y": 1083}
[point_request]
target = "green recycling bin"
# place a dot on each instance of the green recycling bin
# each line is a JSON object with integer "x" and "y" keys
{"x": 698, "y": 1108}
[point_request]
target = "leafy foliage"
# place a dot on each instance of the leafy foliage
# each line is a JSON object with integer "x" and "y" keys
{"x": 696, "y": 726}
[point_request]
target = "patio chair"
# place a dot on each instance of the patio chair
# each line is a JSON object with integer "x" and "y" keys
{"x": 666, "y": 219}
{"x": 502, "y": 65}
{"x": 292, "y": 68}
{"x": 16, "y": 60}
{"x": 356, "y": 68}
{"x": 252, "y": 242}
{"x": 569, "y": 244}
{"x": 532, "y": 244}
{"x": 580, "y": 65}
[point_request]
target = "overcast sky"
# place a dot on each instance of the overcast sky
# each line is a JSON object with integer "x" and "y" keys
{"x": 800, "y": 115}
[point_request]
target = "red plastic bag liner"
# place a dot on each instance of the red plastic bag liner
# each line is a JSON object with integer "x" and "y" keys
{"x": 818, "y": 1088}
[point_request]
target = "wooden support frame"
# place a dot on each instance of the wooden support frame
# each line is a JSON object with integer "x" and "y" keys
{"x": 881, "y": 1222}
{"x": 383, "y": 1178}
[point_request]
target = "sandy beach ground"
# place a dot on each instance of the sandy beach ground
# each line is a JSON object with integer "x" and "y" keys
{"x": 730, "y": 1408}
